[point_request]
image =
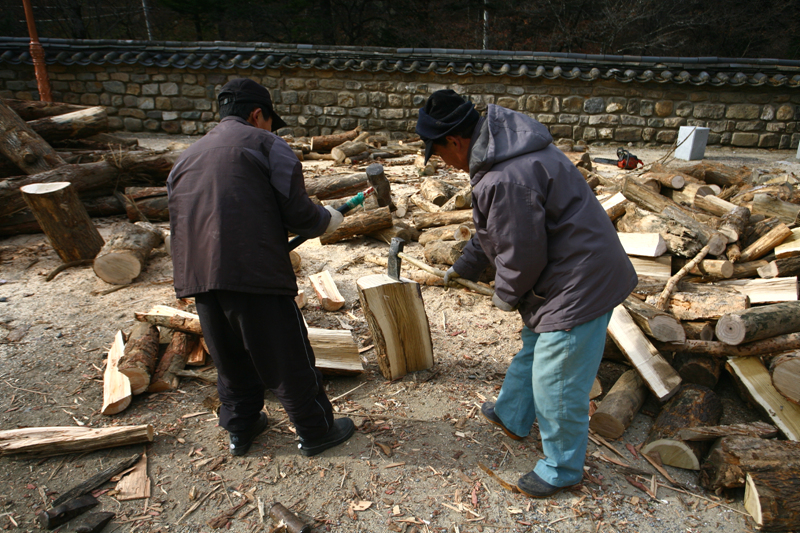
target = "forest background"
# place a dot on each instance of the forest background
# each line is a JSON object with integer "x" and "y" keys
{"x": 691, "y": 28}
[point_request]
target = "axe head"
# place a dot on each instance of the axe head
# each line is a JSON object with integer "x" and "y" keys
{"x": 394, "y": 260}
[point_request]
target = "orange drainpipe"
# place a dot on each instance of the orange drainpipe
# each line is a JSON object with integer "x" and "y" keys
{"x": 37, "y": 53}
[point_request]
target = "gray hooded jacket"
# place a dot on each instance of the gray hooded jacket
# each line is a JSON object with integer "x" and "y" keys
{"x": 556, "y": 252}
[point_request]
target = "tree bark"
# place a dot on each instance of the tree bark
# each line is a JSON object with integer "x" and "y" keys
{"x": 340, "y": 186}
{"x": 35, "y": 109}
{"x": 23, "y": 146}
{"x": 759, "y": 323}
{"x": 360, "y": 224}
{"x": 620, "y": 405}
{"x": 125, "y": 254}
{"x": 655, "y": 322}
{"x": 680, "y": 240}
{"x": 690, "y": 192}
{"x": 714, "y": 173}
{"x": 64, "y": 220}
{"x": 461, "y": 199}
{"x": 325, "y": 143}
{"x": 436, "y": 191}
{"x": 732, "y": 457}
{"x": 395, "y": 313}
{"x": 173, "y": 360}
{"x": 139, "y": 358}
{"x": 693, "y": 406}
{"x": 74, "y": 125}
{"x": 703, "y": 302}
{"x": 765, "y": 204}
{"x": 780, "y": 268}
{"x": 431, "y": 220}
{"x": 771, "y": 498}
{"x": 785, "y": 372}
{"x": 348, "y": 149}
{"x": 444, "y": 252}
{"x": 758, "y": 429}
{"x": 698, "y": 369}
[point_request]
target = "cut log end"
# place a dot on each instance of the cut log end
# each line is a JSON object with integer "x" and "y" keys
{"x": 118, "y": 269}
{"x": 731, "y": 329}
{"x": 674, "y": 453}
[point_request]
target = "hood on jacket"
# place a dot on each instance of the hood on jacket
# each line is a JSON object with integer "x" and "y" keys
{"x": 504, "y": 134}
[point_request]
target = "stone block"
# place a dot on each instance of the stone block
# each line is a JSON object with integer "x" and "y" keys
{"x": 713, "y": 138}
{"x": 684, "y": 109}
{"x": 346, "y": 100}
{"x": 589, "y": 134}
{"x": 603, "y": 119}
{"x": 743, "y": 111}
{"x": 546, "y": 119}
{"x": 155, "y": 115}
{"x": 655, "y": 122}
{"x": 712, "y": 111}
{"x": 135, "y": 113}
{"x": 628, "y": 134}
{"x": 207, "y": 116}
{"x": 515, "y": 90}
{"x": 348, "y": 123}
{"x": 785, "y": 112}
{"x": 378, "y": 99}
{"x": 133, "y": 124}
{"x": 496, "y": 88}
{"x": 508, "y": 102}
{"x": 769, "y": 140}
{"x": 182, "y": 104}
{"x": 90, "y": 99}
{"x": 646, "y": 108}
{"x": 117, "y": 100}
{"x": 322, "y": 98}
{"x": 188, "y": 127}
{"x": 632, "y": 107}
{"x": 114, "y": 87}
{"x": 605, "y": 134}
{"x": 133, "y": 88}
{"x": 331, "y": 84}
{"x": 768, "y": 113}
{"x": 749, "y": 125}
{"x": 193, "y": 91}
{"x": 744, "y": 139}
{"x": 336, "y": 111}
{"x": 312, "y": 110}
{"x": 630, "y": 120}
{"x": 572, "y": 104}
{"x": 785, "y": 144}
{"x": 717, "y": 126}
{"x": 147, "y": 103}
{"x": 140, "y": 78}
{"x": 561, "y": 131}
{"x": 150, "y": 89}
{"x": 608, "y": 91}
{"x": 615, "y": 104}
{"x": 169, "y": 115}
{"x": 120, "y": 76}
{"x": 648, "y": 134}
{"x": 168, "y": 89}
{"x": 395, "y": 100}
{"x": 163, "y": 103}
{"x": 115, "y": 123}
{"x": 664, "y": 108}
{"x": 776, "y": 126}
{"x": 696, "y": 122}
{"x": 594, "y": 105}
{"x": 151, "y": 125}
{"x": 352, "y": 85}
{"x": 666, "y": 136}
{"x": 77, "y": 86}
{"x": 566, "y": 118}
{"x": 202, "y": 105}
{"x": 361, "y": 112}
{"x": 674, "y": 122}
{"x": 130, "y": 101}
{"x": 375, "y": 124}
{"x": 390, "y": 113}
{"x": 540, "y": 104}
{"x": 190, "y": 115}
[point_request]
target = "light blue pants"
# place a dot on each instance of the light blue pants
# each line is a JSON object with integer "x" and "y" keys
{"x": 550, "y": 380}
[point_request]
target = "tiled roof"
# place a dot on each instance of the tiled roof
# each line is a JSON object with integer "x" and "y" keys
{"x": 715, "y": 71}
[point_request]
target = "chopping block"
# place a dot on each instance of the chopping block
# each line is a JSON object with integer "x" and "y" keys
{"x": 395, "y": 314}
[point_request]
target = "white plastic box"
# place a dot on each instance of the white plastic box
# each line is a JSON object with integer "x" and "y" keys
{"x": 691, "y": 143}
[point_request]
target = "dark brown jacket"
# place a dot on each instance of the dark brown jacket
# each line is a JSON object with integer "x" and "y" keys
{"x": 556, "y": 252}
{"x": 232, "y": 196}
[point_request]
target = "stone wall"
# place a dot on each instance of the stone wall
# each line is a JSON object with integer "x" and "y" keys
{"x": 314, "y": 102}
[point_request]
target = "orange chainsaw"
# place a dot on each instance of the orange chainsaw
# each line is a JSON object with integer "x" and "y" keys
{"x": 625, "y": 160}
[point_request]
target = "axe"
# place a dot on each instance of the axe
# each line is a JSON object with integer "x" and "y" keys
{"x": 355, "y": 201}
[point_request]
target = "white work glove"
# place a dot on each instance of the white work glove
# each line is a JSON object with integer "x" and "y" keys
{"x": 450, "y": 275}
{"x": 501, "y": 305}
{"x": 336, "y": 219}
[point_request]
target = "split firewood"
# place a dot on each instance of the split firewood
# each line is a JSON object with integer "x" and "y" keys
{"x": 734, "y": 218}
{"x": 327, "y": 292}
{"x": 680, "y": 240}
{"x": 765, "y": 244}
{"x": 63, "y": 218}
{"x": 710, "y": 172}
{"x": 383, "y": 191}
{"x": 754, "y": 381}
{"x": 395, "y": 313}
{"x": 360, "y": 224}
{"x": 173, "y": 360}
{"x": 761, "y": 291}
{"x": 432, "y": 220}
{"x": 425, "y": 169}
{"x": 134, "y": 485}
{"x": 620, "y": 405}
{"x": 338, "y": 186}
{"x": 436, "y": 191}
{"x": 402, "y": 206}
{"x": 655, "y": 322}
{"x": 766, "y": 204}
{"x": 758, "y": 429}
{"x": 424, "y": 204}
{"x": 400, "y": 230}
{"x": 23, "y": 146}
{"x": 660, "y": 377}
{"x": 790, "y": 247}
{"x": 698, "y": 369}
{"x": 197, "y": 357}
{"x": 48, "y": 441}
{"x": 301, "y": 299}
{"x": 139, "y": 357}
{"x": 757, "y": 229}
{"x": 643, "y": 244}
{"x": 732, "y": 457}
{"x": 73, "y": 125}
{"x": 785, "y": 372}
{"x": 771, "y": 499}
{"x": 615, "y": 206}
{"x": 692, "y": 406}
{"x": 116, "y": 386}
{"x": 759, "y": 323}
{"x": 125, "y": 254}
{"x": 168, "y": 317}
{"x": 325, "y": 143}
{"x": 96, "y": 480}
{"x": 458, "y": 232}
{"x": 781, "y": 268}
{"x": 348, "y": 149}
{"x": 444, "y": 252}
{"x": 461, "y": 199}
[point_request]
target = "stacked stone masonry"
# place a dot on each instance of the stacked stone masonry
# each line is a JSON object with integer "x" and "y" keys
{"x": 314, "y": 102}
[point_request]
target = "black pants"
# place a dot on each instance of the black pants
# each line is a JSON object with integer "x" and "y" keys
{"x": 260, "y": 341}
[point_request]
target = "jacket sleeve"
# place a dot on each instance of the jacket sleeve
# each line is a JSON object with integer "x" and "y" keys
{"x": 300, "y": 215}
{"x": 473, "y": 260}
{"x": 516, "y": 227}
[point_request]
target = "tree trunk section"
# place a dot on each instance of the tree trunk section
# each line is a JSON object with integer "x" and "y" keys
{"x": 173, "y": 360}
{"x": 360, "y": 224}
{"x": 693, "y": 406}
{"x": 399, "y": 230}
{"x": 74, "y": 125}
{"x": 64, "y": 220}
{"x": 325, "y": 143}
{"x": 698, "y": 369}
{"x": 701, "y": 331}
{"x": 620, "y": 405}
{"x": 48, "y": 441}
{"x": 759, "y": 323}
{"x": 36, "y": 109}
{"x": 703, "y": 302}
{"x": 780, "y": 343}
{"x": 116, "y": 386}
{"x": 785, "y": 372}
{"x": 673, "y": 180}
{"x": 771, "y": 498}
{"x": 125, "y": 254}
{"x": 444, "y": 252}
{"x": 436, "y": 191}
{"x": 23, "y": 146}
{"x": 758, "y": 429}
{"x": 395, "y": 313}
{"x": 432, "y": 220}
{"x": 139, "y": 359}
{"x": 341, "y": 186}
{"x": 732, "y": 457}
{"x": 713, "y": 173}
{"x": 654, "y": 322}
{"x": 690, "y": 192}
{"x": 348, "y": 149}
{"x": 765, "y": 204}
{"x": 461, "y": 199}
{"x": 781, "y": 268}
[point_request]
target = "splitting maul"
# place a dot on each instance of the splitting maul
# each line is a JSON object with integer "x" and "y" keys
{"x": 353, "y": 202}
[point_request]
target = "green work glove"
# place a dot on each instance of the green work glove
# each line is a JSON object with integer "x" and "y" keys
{"x": 450, "y": 275}
{"x": 501, "y": 305}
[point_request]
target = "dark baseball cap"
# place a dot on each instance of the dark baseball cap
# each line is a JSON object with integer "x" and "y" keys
{"x": 246, "y": 91}
{"x": 444, "y": 112}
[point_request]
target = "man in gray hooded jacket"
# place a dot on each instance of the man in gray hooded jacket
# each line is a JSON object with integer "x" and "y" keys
{"x": 558, "y": 262}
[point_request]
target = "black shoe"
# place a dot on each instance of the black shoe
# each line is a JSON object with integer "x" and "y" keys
{"x": 241, "y": 442}
{"x": 532, "y": 485}
{"x": 343, "y": 429}
{"x": 487, "y": 410}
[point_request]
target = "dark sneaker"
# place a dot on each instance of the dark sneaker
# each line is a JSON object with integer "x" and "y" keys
{"x": 532, "y": 485}
{"x": 241, "y": 442}
{"x": 343, "y": 429}
{"x": 487, "y": 410}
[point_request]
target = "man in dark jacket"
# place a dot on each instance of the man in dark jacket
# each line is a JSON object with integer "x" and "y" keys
{"x": 558, "y": 261}
{"x": 232, "y": 197}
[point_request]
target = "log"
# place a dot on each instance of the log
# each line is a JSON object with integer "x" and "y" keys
{"x": 655, "y": 322}
{"x": 139, "y": 357}
{"x": 64, "y": 220}
{"x": 780, "y": 268}
{"x": 785, "y": 372}
{"x": 327, "y": 293}
{"x": 734, "y": 218}
{"x": 395, "y": 313}
{"x": 383, "y": 191}
{"x": 643, "y": 244}
{"x": 660, "y": 377}
{"x": 758, "y": 429}
{"x": 680, "y": 241}
{"x": 703, "y": 331}
{"x": 771, "y": 499}
{"x": 23, "y": 146}
{"x": 655, "y": 268}
{"x": 765, "y": 244}
{"x": 173, "y": 360}
{"x": 780, "y": 343}
{"x": 698, "y": 369}
{"x": 732, "y": 457}
{"x": 713, "y": 173}
{"x": 167, "y": 317}
{"x": 759, "y": 323}
{"x": 399, "y": 230}
{"x": 713, "y": 268}
{"x": 751, "y": 374}
{"x": 757, "y": 229}
{"x": 692, "y": 406}
{"x": 348, "y": 149}
{"x": 471, "y": 285}
{"x": 444, "y": 252}
{"x": 125, "y": 254}
{"x": 74, "y": 125}
{"x": 339, "y": 186}
{"x": 673, "y": 180}
{"x": 147, "y": 203}
{"x": 761, "y": 291}
{"x": 35, "y": 109}
{"x": 425, "y": 204}
{"x": 789, "y": 247}
{"x": 98, "y": 178}
{"x": 765, "y": 204}
{"x": 447, "y": 233}
{"x": 432, "y": 220}
{"x": 461, "y": 199}
{"x": 747, "y": 270}
{"x": 116, "y": 386}
{"x": 703, "y": 302}
{"x": 103, "y": 142}
{"x": 325, "y": 143}
{"x": 690, "y": 192}
{"x": 620, "y": 405}
{"x": 96, "y": 480}
{"x": 436, "y": 191}
{"x": 360, "y": 224}
{"x": 57, "y": 440}
{"x": 424, "y": 169}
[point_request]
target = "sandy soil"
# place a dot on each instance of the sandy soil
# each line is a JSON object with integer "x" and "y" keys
{"x": 53, "y": 341}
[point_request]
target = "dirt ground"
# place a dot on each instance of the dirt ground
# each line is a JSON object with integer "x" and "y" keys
{"x": 53, "y": 342}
